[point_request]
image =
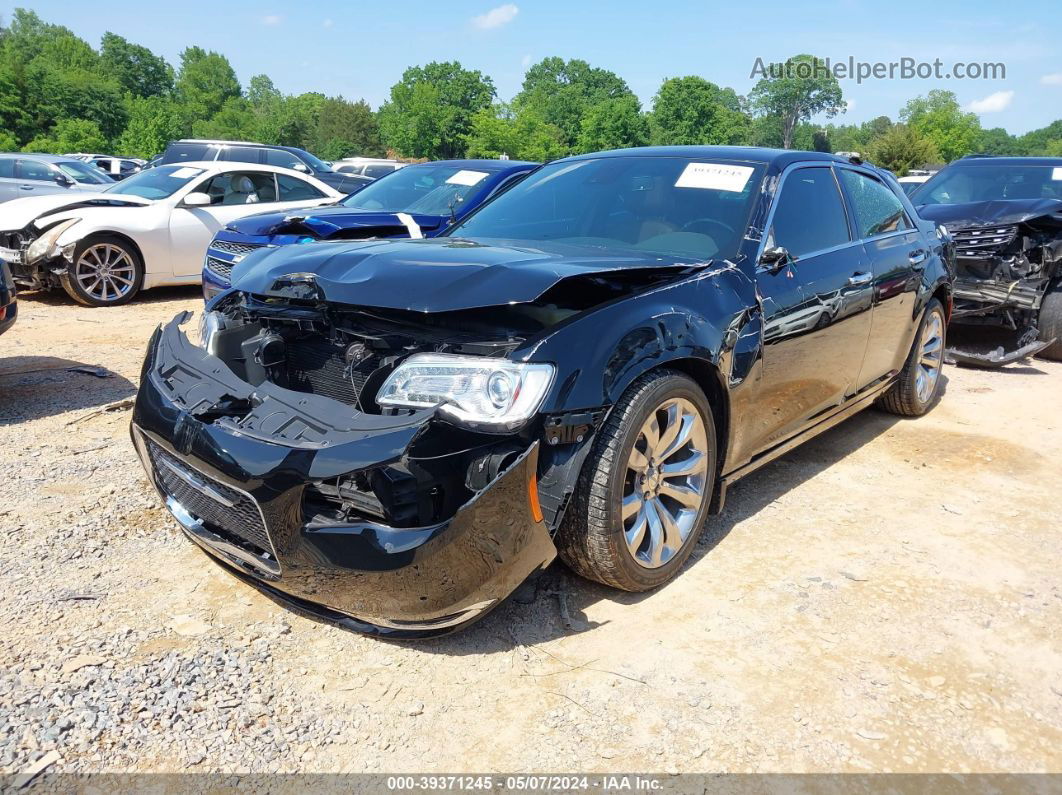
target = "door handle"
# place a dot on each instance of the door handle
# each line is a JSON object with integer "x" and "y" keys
{"x": 918, "y": 256}
{"x": 859, "y": 279}
{"x": 25, "y": 187}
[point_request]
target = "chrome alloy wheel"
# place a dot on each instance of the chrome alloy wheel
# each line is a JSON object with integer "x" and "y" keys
{"x": 930, "y": 357}
{"x": 105, "y": 272}
{"x": 665, "y": 483}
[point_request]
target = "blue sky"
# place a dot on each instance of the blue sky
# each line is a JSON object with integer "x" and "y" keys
{"x": 359, "y": 49}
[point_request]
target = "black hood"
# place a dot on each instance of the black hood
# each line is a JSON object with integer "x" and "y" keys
{"x": 440, "y": 275}
{"x": 991, "y": 213}
{"x": 332, "y": 221}
{"x": 344, "y": 183}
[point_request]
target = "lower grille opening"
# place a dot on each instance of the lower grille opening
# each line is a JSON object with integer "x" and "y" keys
{"x": 229, "y": 513}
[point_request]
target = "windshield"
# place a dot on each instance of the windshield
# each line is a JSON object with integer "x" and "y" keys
{"x": 426, "y": 189}
{"x": 84, "y": 173}
{"x": 979, "y": 183}
{"x": 669, "y": 206}
{"x": 157, "y": 183}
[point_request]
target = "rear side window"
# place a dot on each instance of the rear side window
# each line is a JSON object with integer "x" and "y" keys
{"x": 176, "y": 153}
{"x": 278, "y": 157}
{"x": 377, "y": 171}
{"x": 241, "y": 154}
{"x": 239, "y": 187}
{"x": 877, "y": 210}
{"x": 31, "y": 169}
{"x": 809, "y": 215}
{"x": 294, "y": 190}
{"x": 7, "y": 168}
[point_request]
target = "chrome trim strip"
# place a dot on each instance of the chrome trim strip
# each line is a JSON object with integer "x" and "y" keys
{"x": 199, "y": 485}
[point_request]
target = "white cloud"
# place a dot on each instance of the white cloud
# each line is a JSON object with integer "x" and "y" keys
{"x": 272, "y": 20}
{"x": 849, "y": 104}
{"x": 993, "y": 103}
{"x": 525, "y": 61}
{"x": 1052, "y": 79}
{"x": 327, "y": 23}
{"x": 496, "y": 17}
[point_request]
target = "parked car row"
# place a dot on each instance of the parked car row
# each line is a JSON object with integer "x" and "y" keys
{"x": 392, "y": 434}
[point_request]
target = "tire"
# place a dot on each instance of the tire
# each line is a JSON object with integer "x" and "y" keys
{"x": 1050, "y": 322}
{"x": 593, "y": 538}
{"x": 909, "y": 395}
{"x": 116, "y": 266}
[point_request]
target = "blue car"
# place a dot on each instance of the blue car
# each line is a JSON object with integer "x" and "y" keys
{"x": 420, "y": 200}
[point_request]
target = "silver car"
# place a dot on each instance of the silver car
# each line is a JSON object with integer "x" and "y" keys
{"x": 23, "y": 175}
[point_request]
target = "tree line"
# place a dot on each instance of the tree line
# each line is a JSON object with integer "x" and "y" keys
{"x": 59, "y": 94}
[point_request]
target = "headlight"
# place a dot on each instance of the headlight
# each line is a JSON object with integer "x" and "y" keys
{"x": 494, "y": 393}
{"x": 210, "y": 323}
{"x": 44, "y": 246}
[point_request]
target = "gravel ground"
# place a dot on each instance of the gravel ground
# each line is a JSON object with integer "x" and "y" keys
{"x": 886, "y": 598}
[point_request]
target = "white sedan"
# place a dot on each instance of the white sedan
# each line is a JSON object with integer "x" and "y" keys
{"x": 149, "y": 230}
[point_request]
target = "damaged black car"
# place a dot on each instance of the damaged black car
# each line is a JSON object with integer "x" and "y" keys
{"x": 1005, "y": 216}
{"x": 393, "y": 435}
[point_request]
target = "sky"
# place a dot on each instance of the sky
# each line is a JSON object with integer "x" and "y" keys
{"x": 358, "y": 49}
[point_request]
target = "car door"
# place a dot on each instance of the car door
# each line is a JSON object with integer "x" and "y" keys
{"x": 36, "y": 178}
{"x": 8, "y": 183}
{"x": 234, "y": 194}
{"x": 898, "y": 255}
{"x": 816, "y": 307}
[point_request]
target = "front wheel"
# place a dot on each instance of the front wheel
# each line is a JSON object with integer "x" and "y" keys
{"x": 643, "y": 495}
{"x": 917, "y": 386}
{"x": 1050, "y": 322}
{"x": 106, "y": 271}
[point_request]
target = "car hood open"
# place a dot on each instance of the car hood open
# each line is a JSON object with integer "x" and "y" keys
{"x": 1000, "y": 211}
{"x": 432, "y": 275}
{"x": 329, "y": 222}
{"x": 18, "y": 213}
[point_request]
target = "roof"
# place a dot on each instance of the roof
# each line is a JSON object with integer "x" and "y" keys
{"x": 489, "y": 165}
{"x": 1004, "y": 160}
{"x": 41, "y": 156}
{"x": 217, "y": 141}
{"x": 239, "y": 165}
{"x": 755, "y": 154}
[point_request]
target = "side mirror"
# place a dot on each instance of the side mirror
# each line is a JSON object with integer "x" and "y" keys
{"x": 775, "y": 258}
{"x": 63, "y": 179}
{"x": 305, "y": 169}
{"x": 197, "y": 200}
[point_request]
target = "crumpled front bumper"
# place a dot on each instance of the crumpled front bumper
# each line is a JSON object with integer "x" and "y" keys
{"x": 365, "y": 576}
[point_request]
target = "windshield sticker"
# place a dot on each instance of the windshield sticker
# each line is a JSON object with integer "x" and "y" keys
{"x": 465, "y": 177}
{"x": 1056, "y": 173}
{"x": 185, "y": 172}
{"x": 714, "y": 176}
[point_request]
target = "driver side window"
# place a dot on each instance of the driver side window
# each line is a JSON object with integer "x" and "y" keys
{"x": 809, "y": 215}
{"x": 241, "y": 187}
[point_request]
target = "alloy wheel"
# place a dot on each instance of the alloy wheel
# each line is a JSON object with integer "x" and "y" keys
{"x": 105, "y": 272}
{"x": 930, "y": 357}
{"x": 665, "y": 482}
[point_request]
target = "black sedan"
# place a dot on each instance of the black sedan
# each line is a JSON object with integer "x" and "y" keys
{"x": 392, "y": 435}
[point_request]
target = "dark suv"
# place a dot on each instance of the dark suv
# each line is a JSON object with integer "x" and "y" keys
{"x": 267, "y": 154}
{"x": 393, "y": 434}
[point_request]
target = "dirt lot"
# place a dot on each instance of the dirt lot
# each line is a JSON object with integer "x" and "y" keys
{"x": 886, "y": 598}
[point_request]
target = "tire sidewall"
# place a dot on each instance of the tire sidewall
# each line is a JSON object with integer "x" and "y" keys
{"x": 70, "y": 282}
{"x": 672, "y": 386}
{"x": 916, "y": 352}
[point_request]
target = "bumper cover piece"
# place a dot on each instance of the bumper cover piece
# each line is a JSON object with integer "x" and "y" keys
{"x": 364, "y": 576}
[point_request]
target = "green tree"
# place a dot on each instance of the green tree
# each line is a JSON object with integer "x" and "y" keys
{"x": 901, "y": 149}
{"x": 233, "y": 122}
{"x": 614, "y": 124}
{"x": 153, "y": 123}
{"x": 997, "y": 141}
{"x": 1036, "y": 142}
{"x": 70, "y": 135}
{"x": 138, "y": 70}
{"x": 430, "y": 110}
{"x": 524, "y": 135}
{"x": 205, "y": 84}
{"x": 1053, "y": 148}
{"x": 345, "y": 129}
{"x": 938, "y": 117}
{"x": 692, "y": 110}
{"x": 795, "y": 91}
{"x": 562, "y": 92}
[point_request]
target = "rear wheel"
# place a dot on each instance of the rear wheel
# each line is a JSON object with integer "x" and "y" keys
{"x": 1050, "y": 322}
{"x": 106, "y": 271}
{"x": 918, "y": 384}
{"x": 643, "y": 495}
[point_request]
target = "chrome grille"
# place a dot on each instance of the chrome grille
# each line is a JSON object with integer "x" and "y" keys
{"x": 223, "y": 509}
{"x": 220, "y": 267}
{"x": 982, "y": 240}
{"x": 235, "y": 248}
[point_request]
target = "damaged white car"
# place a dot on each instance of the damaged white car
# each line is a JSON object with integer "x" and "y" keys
{"x": 149, "y": 230}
